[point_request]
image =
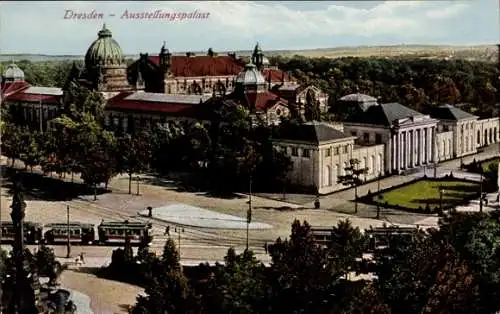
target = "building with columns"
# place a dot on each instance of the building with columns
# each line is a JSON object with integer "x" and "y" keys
{"x": 408, "y": 136}
{"x": 320, "y": 152}
{"x": 385, "y": 138}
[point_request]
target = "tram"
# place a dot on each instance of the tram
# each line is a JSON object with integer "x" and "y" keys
{"x": 57, "y": 233}
{"x": 322, "y": 235}
{"x": 32, "y": 232}
{"x": 380, "y": 238}
{"x": 118, "y": 231}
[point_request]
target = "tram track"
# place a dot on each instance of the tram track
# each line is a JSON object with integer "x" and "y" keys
{"x": 189, "y": 233}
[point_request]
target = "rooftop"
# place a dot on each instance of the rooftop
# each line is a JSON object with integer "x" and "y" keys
{"x": 384, "y": 114}
{"x": 449, "y": 112}
{"x": 52, "y": 91}
{"x": 357, "y": 97}
{"x": 312, "y": 132}
{"x": 168, "y": 98}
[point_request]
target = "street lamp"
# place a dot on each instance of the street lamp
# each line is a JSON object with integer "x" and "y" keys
{"x": 378, "y": 195}
{"x": 138, "y": 179}
{"x": 179, "y": 230}
{"x": 441, "y": 191}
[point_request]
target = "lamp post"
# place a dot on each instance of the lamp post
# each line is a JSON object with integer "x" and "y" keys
{"x": 249, "y": 211}
{"x": 179, "y": 230}
{"x": 481, "y": 191}
{"x": 378, "y": 195}
{"x": 68, "y": 243}
{"x": 138, "y": 179}
{"x": 441, "y": 199}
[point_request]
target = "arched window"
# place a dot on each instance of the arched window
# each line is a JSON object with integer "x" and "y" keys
{"x": 364, "y": 164}
{"x": 478, "y": 137}
{"x": 339, "y": 170}
{"x": 327, "y": 176}
{"x": 380, "y": 164}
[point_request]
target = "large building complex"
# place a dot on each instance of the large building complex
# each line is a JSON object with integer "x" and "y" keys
{"x": 386, "y": 138}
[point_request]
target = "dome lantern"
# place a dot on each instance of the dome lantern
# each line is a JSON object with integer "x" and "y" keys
{"x": 13, "y": 73}
{"x": 250, "y": 76}
{"x": 104, "y": 51}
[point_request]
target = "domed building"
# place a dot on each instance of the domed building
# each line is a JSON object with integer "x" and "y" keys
{"x": 250, "y": 80}
{"x": 12, "y": 74}
{"x": 251, "y": 91}
{"x": 105, "y": 69}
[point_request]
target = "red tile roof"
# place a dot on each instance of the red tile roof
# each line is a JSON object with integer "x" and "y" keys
{"x": 260, "y": 101}
{"x": 10, "y": 88}
{"x": 276, "y": 75}
{"x": 119, "y": 103}
{"x": 202, "y": 65}
{"x": 48, "y": 99}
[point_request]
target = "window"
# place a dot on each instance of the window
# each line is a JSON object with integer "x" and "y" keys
{"x": 366, "y": 137}
{"x": 328, "y": 152}
{"x": 295, "y": 151}
{"x": 306, "y": 153}
{"x": 378, "y": 138}
{"x": 346, "y": 149}
{"x": 353, "y": 133}
{"x": 336, "y": 150}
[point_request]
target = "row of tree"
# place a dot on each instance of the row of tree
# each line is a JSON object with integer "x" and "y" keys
{"x": 417, "y": 83}
{"x": 222, "y": 154}
{"x": 453, "y": 269}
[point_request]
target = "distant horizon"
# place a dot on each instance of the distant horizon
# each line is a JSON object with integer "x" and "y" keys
{"x": 273, "y": 51}
{"x": 140, "y": 26}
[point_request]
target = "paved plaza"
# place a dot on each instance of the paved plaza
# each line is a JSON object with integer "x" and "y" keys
{"x": 187, "y": 215}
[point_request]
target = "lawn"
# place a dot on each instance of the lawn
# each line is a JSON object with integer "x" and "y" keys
{"x": 423, "y": 192}
{"x": 487, "y": 163}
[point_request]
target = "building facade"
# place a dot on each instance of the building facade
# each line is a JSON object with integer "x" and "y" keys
{"x": 385, "y": 139}
{"x": 168, "y": 87}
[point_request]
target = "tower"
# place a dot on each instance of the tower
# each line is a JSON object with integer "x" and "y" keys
{"x": 165, "y": 60}
{"x": 258, "y": 57}
{"x": 24, "y": 280}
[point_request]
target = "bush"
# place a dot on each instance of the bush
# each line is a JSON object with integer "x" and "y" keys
{"x": 427, "y": 209}
{"x": 420, "y": 209}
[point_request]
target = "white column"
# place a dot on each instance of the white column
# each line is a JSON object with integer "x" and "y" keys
{"x": 428, "y": 148}
{"x": 412, "y": 148}
{"x": 405, "y": 149}
{"x": 398, "y": 151}
{"x": 393, "y": 152}
{"x": 422, "y": 147}
{"x": 434, "y": 146}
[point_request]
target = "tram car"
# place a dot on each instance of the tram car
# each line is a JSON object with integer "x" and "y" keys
{"x": 380, "y": 237}
{"x": 322, "y": 235}
{"x": 32, "y": 232}
{"x": 112, "y": 232}
{"x": 57, "y": 233}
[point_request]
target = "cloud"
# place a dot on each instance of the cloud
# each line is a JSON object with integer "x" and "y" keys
{"x": 39, "y": 27}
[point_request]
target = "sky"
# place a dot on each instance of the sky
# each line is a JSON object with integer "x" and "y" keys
{"x": 48, "y": 27}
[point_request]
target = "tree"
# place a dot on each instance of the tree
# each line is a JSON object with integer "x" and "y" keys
{"x": 133, "y": 154}
{"x": 455, "y": 291}
{"x": 237, "y": 287}
{"x": 346, "y": 246}
{"x": 168, "y": 290}
{"x": 352, "y": 178}
{"x": 300, "y": 280}
{"x": 11, "y": 142}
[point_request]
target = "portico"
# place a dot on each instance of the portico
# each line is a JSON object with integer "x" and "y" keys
{"x": 413, "y": 146}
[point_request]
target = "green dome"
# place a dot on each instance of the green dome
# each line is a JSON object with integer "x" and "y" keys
{"x": 104, "y": 51}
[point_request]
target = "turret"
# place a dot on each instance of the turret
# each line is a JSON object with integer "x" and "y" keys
{"x": 165, "y": 59}
{"x": 258, "y": 57}
{"x": 139, "y": 84}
